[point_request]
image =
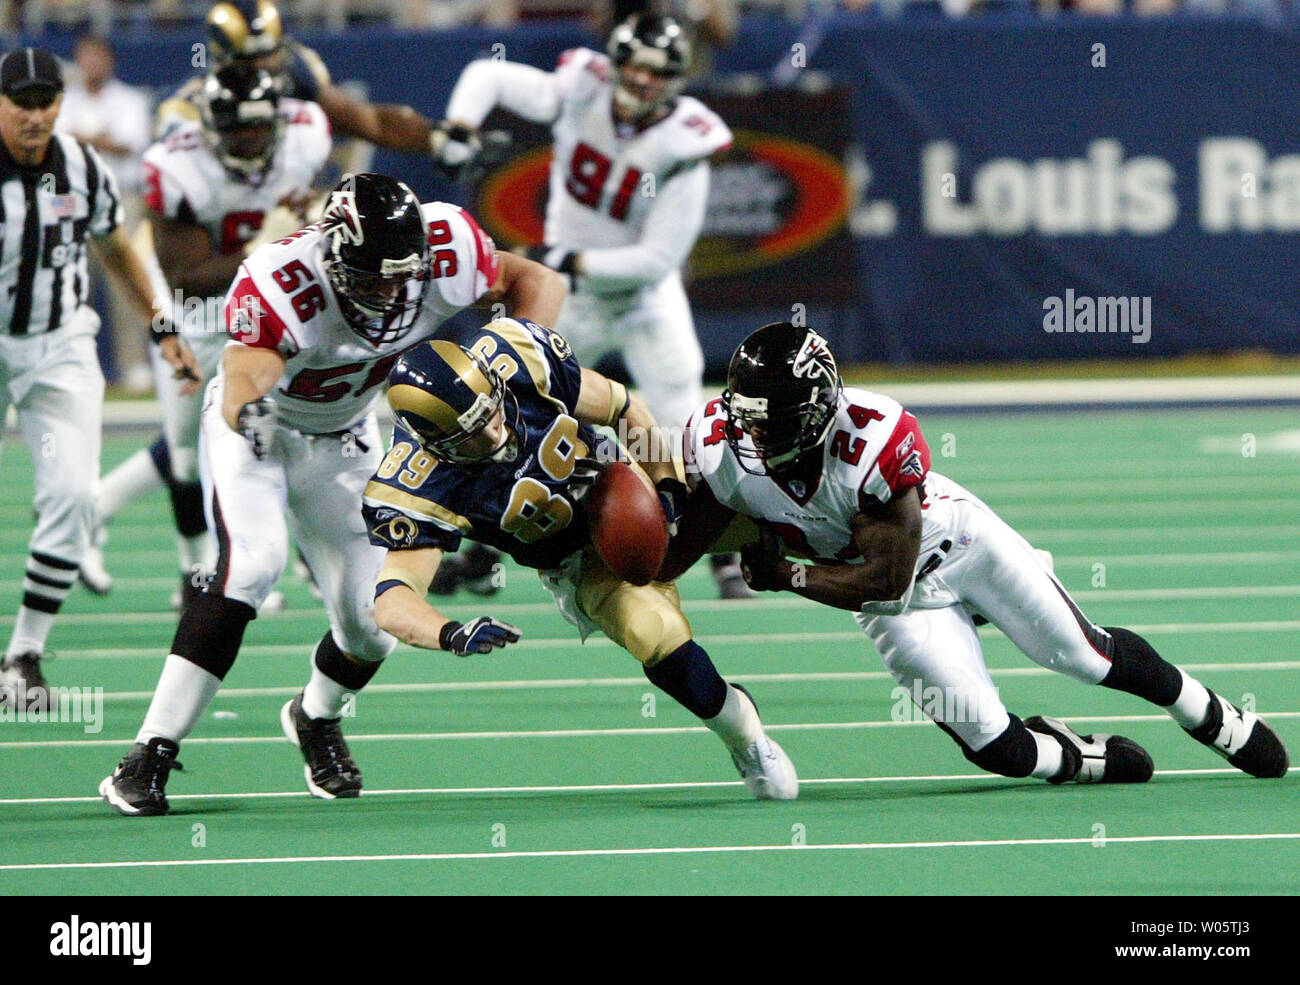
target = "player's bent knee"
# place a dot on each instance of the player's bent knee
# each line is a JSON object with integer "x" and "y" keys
{"x": 653, "y": 633}
{"x": 1013, "y": 753}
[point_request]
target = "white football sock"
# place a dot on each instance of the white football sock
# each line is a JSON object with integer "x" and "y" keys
{"x": 737, "y": 724}
{"x": 184, "y": 691}
{"x": 323, "y": 696}
{"x": 31, "y": 630}
{"x": 1193, "y": 704}
{"x": 1050, "y": 755}
{"x": 132, "y": 479}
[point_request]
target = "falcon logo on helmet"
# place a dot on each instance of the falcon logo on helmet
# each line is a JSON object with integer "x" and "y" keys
{"x": 783, "y": 389}
{"x": 446, "y": 395}
{"x": 376, "y": 255}
{"x": 239, "y": 108}
{"x": 653, "y": 44}
{"x": 243, "y": 29}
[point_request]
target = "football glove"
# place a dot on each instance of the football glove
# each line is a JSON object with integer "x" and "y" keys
{"x": 462, "y": 153}
{"x": 585, "y": 473}
{"x": 672, "y": 497}
{"x": 764, "y": 566}
{"x": 257, "y": 424}
{"x": 476, "y": 636}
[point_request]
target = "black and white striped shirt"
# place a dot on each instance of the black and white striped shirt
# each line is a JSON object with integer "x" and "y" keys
{"x": 46, "y": 213}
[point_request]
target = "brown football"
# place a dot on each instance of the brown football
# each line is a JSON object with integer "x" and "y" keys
{"x": 627, "y": 524}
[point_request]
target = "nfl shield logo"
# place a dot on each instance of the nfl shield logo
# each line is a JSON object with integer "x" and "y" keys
{"x": 798, "y": 488}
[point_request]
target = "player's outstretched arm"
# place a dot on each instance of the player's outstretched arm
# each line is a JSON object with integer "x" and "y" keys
{"x": 402, "y": 609}
{"x": 703, "y": 520}
{"x": 528, "y": 290}
{"x": 889, "y": 539}
{"x": 393, "y": 127}
{"x": 124, "y": 265}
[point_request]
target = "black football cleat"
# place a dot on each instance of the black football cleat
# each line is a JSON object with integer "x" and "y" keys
{"x": 138, "y": 787}
{"x": 23, "y": 683}
{"x": 1094, "y": 758}
{"x": 1243, "y": 739}
{"x": 330, "y": 771}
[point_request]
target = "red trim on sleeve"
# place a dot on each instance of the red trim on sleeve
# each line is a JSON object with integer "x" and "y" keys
{"x": 905, "y": 459}
{"x": 250, "y": 319}
{"x": 153, "y": 194}
{"x": 486, "y": 251}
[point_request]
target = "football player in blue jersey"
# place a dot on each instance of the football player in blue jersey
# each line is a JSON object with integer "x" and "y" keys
{"x": 496, "y": 442}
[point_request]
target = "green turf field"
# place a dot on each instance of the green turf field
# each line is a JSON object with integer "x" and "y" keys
{"x": 551, "y": 767}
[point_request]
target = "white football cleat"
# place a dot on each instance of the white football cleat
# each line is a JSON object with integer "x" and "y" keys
{"x": 92, "y": 572}
{"x": 766, "y": 769}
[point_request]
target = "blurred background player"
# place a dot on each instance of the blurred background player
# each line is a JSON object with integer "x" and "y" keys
{"x": 290, "y": 439}
{"x": 252, "y": 32}
{"x": 216, "y": 189}
{"x": 916, "y": 557}
{"x": 628, "y": 189}
{"x": 56, "y": 193}
{"x": 113, "y": 118}
{"x": 495, "y": 442}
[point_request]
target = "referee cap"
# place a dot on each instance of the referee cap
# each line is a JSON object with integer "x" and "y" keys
{"x": 30, "y": 69}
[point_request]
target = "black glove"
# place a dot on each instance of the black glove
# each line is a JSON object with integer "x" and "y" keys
{"x": 672, "y": 497}
{"x": 257, "y": 423}
{"x": 477, "y": 636}
{"x": 764, "y": 566}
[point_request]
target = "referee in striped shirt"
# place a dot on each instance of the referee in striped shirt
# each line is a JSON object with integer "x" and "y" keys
{"x": 56, "y": 193}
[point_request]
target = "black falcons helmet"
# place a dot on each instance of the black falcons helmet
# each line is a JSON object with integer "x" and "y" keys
{"x": 782, "y": 391}
{"x": 239, "y": 110}
{"x": 376, "y": 255}
{"x": 657, "y": 44}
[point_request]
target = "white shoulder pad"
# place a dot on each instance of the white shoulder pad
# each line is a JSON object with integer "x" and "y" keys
{"x": 696, "y": 131}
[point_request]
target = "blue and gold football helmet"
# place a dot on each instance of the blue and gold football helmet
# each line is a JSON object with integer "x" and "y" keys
{"x": 445, "y": 395}
{"x": 243, "y": 29}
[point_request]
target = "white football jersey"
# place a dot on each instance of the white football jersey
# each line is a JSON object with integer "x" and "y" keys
{"x": 282, "y": 300}
{"x": 604, "y": 174}
{"x": 873, "y": 451}
{"x": 185, "y": 182}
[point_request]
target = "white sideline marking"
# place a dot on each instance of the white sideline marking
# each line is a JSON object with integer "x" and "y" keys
{"x": 593, "y": 787}
{"x": 681, "y": 850}
{"x": 575, "y": 733}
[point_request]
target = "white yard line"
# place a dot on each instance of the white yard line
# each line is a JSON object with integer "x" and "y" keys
{"x": 679, "y": 850}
